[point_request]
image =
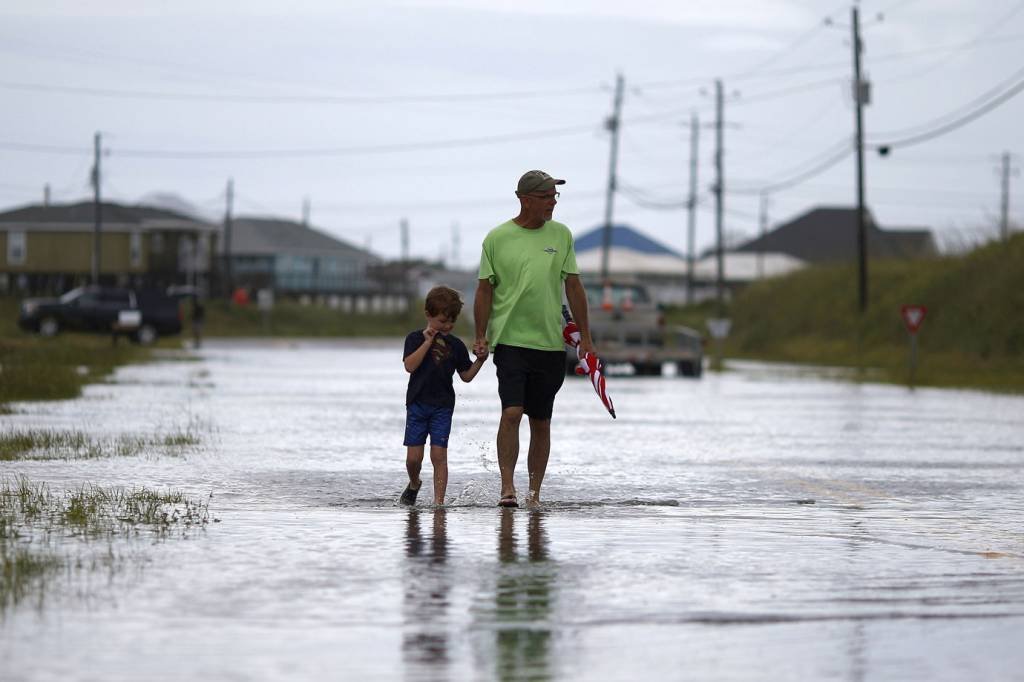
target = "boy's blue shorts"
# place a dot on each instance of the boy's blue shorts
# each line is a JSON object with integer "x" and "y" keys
{"x": 423, "y": 419}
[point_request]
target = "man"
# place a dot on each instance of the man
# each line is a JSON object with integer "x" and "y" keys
{"x": 524, "y": 263}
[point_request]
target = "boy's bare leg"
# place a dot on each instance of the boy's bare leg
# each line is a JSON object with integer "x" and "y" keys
{"x": 413, "y": 464}
{"x": 537, "y": 459}
{"x": 439, "y": 460}
{"x": 508, "y": 448}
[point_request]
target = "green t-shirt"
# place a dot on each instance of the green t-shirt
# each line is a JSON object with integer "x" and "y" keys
{"x": 527, "y": 268}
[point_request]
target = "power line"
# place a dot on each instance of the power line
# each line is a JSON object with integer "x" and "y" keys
{"x": 800, "y": 40}
{"x": 991, "y": 28}
{"x": 977, "y": 101}
{"x": 891, "y": 56}
{"x": 294, "y": 99}
{"x": 309, "y": 152}
{"x": 953, "y": 125}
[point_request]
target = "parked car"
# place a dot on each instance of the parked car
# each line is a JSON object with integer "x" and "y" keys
{"x": 628, "y": 327}
{"x": 142, "y": 315}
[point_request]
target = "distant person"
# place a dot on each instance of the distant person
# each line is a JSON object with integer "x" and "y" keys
{"x": 524, "y": 266}
{"x": 432, "y": 355}
{"x": 198, "y": 319}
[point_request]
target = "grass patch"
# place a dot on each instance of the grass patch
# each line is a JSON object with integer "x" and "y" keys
{"x": 36, "y": 522}
{"x": 27, "y": 508}
{"x": 973, "y": 335}
{"x": 45, "y": 444}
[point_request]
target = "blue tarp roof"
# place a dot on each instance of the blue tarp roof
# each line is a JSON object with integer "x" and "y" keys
{"x": 622, "y": 236}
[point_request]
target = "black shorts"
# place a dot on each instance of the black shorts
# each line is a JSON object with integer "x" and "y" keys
{"x": 529, "y": 378}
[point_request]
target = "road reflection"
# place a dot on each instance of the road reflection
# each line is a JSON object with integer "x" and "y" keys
{"x": 425, "y": 642}
{"x": 523, "y": 600}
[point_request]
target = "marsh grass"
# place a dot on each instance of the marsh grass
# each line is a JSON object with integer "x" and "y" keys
{"x": 47, "y": 444}
{"x": 27, "y": 508}
{"x": 35, "y": 524}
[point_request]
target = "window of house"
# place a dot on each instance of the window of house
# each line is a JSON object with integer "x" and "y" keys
{"x": 16, "y": 248}
{"x": 156, "y": 242}
{"x": 135, "y": 249}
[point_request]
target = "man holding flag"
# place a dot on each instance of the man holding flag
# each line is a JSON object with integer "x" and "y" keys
{"x": 524, "y": 265}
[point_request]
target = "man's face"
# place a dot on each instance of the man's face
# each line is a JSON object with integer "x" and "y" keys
{"x": 542, "y": 204}
{"x": 440, "y": 323}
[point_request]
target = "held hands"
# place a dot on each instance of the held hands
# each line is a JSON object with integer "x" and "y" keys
{"x": 480, "y": 348}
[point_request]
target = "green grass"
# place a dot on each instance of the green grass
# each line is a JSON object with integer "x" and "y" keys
{"x": 291, "y": 319}
{"x": 27, "y": 508}
{"x": 36, "y": 523}
{"x": 973, "y": 335}
{"x": 35, "y": 368}
{"x": 47, "y": 444}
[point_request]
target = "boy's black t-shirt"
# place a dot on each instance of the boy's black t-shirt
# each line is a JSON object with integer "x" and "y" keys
{"x": 431, "y": 383}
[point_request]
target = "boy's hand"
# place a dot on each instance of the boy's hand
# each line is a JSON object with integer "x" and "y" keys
{"x": 481, "y": 353}
{"x": 429, "y": 333}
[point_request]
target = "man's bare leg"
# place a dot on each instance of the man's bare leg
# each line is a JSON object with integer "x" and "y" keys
{"x": 439, "y": 460}
{"x": 508, "y": 448}
{"x": 537, "y": 459}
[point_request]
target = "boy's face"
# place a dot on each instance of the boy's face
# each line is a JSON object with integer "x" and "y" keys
{"x": 440, "y": 323}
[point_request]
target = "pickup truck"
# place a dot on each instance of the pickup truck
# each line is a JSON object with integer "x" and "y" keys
{"x": 628, "y": 327}
{"x": 141, "y": 315}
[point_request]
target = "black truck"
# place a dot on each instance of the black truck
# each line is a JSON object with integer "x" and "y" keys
{"x": 142, "y": 315}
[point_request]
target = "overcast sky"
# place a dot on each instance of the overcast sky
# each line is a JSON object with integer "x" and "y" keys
{"x": 430, "y": 110}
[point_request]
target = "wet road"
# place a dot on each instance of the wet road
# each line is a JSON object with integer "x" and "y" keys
{"x": 762, "y": 524}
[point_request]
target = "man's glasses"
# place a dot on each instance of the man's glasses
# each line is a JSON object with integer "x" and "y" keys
{"x": 545, "y": 196}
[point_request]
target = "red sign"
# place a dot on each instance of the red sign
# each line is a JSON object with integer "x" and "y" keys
{"x": 913, "y": 316}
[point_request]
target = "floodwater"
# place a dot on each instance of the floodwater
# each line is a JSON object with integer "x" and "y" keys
{"x": 762, "y": 524}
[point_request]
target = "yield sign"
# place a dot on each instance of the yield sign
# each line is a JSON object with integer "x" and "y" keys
{"x": 913, "y": 316}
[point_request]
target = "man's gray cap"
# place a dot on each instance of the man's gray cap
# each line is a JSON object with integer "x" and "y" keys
{"x": 536, "y": 181}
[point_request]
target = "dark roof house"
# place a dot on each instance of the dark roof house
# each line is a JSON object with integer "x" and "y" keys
{"x": 48, "y": 248}
{"x": 830, "y": 234}
{"x": 293, "y": 257}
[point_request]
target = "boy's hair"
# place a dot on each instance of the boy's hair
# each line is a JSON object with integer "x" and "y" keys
{"x": 443, "y": 300}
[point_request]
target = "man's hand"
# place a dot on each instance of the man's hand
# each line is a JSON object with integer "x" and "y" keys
{"x": 480, "y": 347}
{"x": 587, "y": 346}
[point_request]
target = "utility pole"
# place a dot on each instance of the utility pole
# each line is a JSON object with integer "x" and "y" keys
{"x": 97, "y": 210}
{"x": 860, "y": 95}
{"x": 305, "y": 212}
{"x": 763, "y": 220}
{"x": 691, "y": 208}
{"x": 1004, "y": 220}
{"x": 456, "y": 246}
{"x": 46, "y": 195}
{"x": 404, "y": 227}
{"x": 719, "y": 189}
{"x": 613, "y": 125}
{"x": 229, "y": 284}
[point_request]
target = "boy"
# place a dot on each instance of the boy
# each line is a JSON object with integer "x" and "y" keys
{"x": 431, "y": 357}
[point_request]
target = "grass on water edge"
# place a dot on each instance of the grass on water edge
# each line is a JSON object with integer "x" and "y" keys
{"x": 36, "y": 368}
{"x": 31, "y": 516}
{"x": 972, "y": 336}
{"x": 48, "y": 444}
